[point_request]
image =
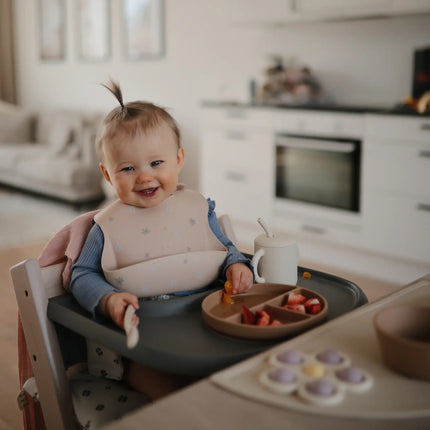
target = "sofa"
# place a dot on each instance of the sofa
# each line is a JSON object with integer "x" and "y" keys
{"x": 50, "y": 152}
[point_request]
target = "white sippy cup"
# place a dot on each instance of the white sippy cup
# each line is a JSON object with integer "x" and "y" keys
{"x": 276, "y": 257}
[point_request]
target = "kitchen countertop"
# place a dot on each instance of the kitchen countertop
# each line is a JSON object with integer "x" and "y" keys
{"x": 221, "y": 401}
{"x": 400, "y": 110}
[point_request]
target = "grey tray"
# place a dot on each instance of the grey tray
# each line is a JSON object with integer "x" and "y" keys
{"x": 173, "y": 336}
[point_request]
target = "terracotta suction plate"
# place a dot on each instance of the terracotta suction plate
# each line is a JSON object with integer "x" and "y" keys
{"x": 227, "y": 318}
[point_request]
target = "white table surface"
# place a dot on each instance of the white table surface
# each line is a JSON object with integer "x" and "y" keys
{"x": 206, "y": 406}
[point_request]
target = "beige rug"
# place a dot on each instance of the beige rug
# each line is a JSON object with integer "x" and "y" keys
{"x": 28, "y": 219}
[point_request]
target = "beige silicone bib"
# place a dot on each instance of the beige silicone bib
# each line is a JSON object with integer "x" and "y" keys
{"x": 160, "y": 250}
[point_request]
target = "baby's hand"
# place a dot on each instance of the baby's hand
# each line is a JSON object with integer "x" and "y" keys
{"x": 241, "y": 277}
{"x": 116, "y": 305}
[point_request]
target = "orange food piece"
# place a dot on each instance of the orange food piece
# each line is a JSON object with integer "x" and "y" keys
{"x": 228, "y": 287}
{"x": 307, "y": 275}
{"x": 227, "y": 299}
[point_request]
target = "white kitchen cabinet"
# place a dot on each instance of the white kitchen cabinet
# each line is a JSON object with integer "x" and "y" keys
{"x": 396, "y": 186}
{"x": 250, "y": 12}
{"x": 237, "y": 162}
{"x": 277, "y": 12}
{"x": 337, "y": 9}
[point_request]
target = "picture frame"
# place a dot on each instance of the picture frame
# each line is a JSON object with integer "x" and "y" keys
{"x": 143, "y": 22}
{"x": 93, "y": 30}
{"x": 52, "y": 30}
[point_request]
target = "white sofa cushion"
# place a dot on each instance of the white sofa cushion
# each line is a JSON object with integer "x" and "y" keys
{"x": 16, "y": 125}
{"x": 62, "y": 172}
{"x": 11, "y": 153}
{"x": 59, "y": 129}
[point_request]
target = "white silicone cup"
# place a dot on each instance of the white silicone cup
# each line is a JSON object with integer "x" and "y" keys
{"x": 346, "y": 361}
{"x": 357, "y": 387}
{"x": 274, "y": 361}
{"x": 333, "y": 400}
{"x": 279, "y": 387}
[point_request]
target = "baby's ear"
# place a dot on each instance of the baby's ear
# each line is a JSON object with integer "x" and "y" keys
{"x": 105, "y": 173}
{"x": 181, "y": 157}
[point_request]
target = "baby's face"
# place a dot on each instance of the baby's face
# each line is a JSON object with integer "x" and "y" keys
{"x": 144, "y": 171}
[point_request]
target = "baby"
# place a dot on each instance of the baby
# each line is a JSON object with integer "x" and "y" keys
{"x": 158, "y": 238}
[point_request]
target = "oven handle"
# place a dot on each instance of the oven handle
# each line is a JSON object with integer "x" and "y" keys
{"x": 320, "y": 145}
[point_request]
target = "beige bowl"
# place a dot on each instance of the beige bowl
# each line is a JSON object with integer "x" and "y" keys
{"x": 404, "y": 338}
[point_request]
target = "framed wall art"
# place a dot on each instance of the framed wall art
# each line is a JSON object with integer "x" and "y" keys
{"x": 93, "y": 29}
{"x": 52, "y": 25}
{"x": 143, "y": 28}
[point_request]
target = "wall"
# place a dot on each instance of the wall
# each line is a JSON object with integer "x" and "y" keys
{"x": 363, "y": 62}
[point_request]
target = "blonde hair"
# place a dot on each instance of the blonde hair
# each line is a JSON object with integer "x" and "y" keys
{"x": 131, "y": 118}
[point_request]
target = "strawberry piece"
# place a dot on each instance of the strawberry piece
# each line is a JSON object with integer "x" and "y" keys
{"x": 263, "y": 318}
{"x": 297, "y": 307}
{"x": 248, "y": 317}
{"x": 312, "y": 306}
{"x": 296, "y": 299}
{"x": 275, "y": 322}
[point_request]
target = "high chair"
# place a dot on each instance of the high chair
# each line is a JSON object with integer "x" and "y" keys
{"x": 60, "y": 396}
{"x": 82, "y": 400}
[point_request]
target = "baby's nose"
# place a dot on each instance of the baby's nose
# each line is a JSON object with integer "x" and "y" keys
{"x": 144, "y": 176}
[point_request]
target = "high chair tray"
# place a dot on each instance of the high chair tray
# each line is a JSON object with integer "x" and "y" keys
{"x": 174, "y": 337}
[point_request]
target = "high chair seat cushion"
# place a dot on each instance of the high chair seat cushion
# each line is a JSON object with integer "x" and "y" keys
{"x": 98, "y": 401}
{"x": 103, "y": 361}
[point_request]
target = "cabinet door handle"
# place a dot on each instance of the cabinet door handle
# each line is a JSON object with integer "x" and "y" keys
{"x": 235, "y": 135}
{"x": 423, "y": 207}
{"x": 424, "y": 153}
{"x": 425, "y": 126}
{"x": 234, "y": 176}
{"x": 313, "y": 229}
{"x": 234, "y": 113}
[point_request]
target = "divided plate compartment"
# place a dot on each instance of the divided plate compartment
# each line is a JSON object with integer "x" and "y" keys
{"x": 227, "y": 318}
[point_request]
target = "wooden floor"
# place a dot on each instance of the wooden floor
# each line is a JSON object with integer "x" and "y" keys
{"x": 10, "y": 416}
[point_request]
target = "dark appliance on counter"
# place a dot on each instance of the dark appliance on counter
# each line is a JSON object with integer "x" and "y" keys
{"x": 421, "y": 77}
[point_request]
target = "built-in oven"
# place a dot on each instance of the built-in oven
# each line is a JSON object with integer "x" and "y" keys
{"x": 317, "y": 183}
{"x": 320, "y": 171}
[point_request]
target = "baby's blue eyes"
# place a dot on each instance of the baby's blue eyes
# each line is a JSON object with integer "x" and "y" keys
{"x": 131, "y": 168}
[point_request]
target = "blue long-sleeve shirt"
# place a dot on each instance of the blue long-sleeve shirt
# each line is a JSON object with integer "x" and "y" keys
{"x": 88, "y": 284}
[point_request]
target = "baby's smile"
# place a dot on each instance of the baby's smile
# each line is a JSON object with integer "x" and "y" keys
{"x": 148, "y": 192}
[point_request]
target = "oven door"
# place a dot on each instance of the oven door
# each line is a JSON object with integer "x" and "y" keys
{"x": 320, "y": 171}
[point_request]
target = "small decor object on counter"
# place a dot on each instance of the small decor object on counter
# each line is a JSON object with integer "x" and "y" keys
{"x": 291, "y": 84}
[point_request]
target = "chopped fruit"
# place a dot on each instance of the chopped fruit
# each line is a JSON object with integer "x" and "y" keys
{"x": 298, "y": 308}
{"x": 248, "y": 316}
{"x": 275, "y": 322}
{"x": 227, "y": 299}
{"x": 312, "y": 306}
{"x": 306, "y": 275}
{"x": 228, "y": 287}
{"x": 263, "y": 318}
{"x": 296, "y": 299}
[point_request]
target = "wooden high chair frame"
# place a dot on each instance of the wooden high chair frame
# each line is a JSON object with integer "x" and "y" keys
{"x": 33, "y": 288}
